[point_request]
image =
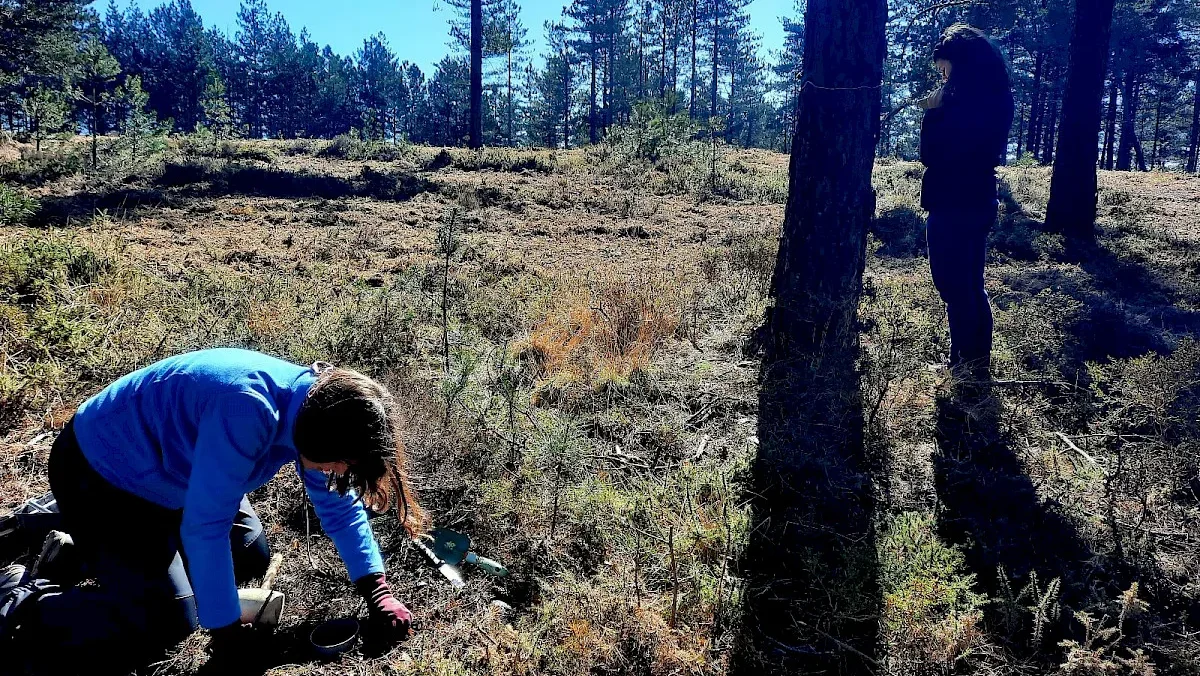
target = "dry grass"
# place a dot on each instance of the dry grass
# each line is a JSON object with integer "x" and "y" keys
{"x": 607, "y": 329}
{"x": 609, "y": 467}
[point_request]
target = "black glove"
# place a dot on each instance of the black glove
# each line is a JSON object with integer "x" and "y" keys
{"x": 236, "y": 643}
{"x": 389, "y": 619}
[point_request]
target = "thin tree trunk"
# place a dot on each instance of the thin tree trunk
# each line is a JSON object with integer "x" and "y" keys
{"x": 1020, "y": 129}
{"x": 592, "y": 98}
{"x": 692, "y": 82}
{"x": 1157, "y": 128}
{"x": 476, "y": 138}
{"x": 510, "y": 96}
{"x": 1035, "y": 112}
{"x": 716, "y": 53}
{"x": 1072, "y": 207}
{"x": 1194, "y": 146}
{"x": 1129, "y": 104}
{"x": 1051, "y": 128}
{"x": 1110, "y": 126}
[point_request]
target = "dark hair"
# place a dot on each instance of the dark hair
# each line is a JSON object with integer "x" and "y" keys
{"x": 978, "y": 65}
{"x": 348, "y": 417}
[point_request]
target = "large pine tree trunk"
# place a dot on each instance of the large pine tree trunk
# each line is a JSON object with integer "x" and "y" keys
{"x": 1072, "y": 208}
{"x": 476, "y": 137}
{"x": 811, "y": 556}
{"x": 1194, "y": 156}
{"x": 1129, "y": 106}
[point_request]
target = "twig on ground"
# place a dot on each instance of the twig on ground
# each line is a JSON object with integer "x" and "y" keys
{"x": 1071, "y": 445}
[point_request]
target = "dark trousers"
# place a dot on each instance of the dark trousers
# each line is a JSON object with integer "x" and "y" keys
{"x": 957, "y": 250}
{"x": 141, "y": 601}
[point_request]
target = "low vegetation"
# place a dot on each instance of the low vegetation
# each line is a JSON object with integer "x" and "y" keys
{"x": 576, "y": 358}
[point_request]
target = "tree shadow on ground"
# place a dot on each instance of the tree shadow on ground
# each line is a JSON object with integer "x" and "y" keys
{"x": 205, "y": 179}
{"x": 1125, "y": 309}
{"x": 1011, "y": 537}
{"x": 811, "y": 600}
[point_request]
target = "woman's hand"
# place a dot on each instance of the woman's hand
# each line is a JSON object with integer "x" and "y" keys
{"x": 388, "y": 617}
{"x": 932, "y": 101}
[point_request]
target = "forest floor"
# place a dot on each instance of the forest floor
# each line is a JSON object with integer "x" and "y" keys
{"x": 587, "y": 409}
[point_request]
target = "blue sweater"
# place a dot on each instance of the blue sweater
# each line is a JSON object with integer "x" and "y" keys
{"x": 198, "y": 431}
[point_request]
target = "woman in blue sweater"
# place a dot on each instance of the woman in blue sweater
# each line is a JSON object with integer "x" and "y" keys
{"x": 964, "y": 137}
{"x": 151, "y": 477}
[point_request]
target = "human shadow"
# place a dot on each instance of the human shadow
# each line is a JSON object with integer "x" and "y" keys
{"x": 811, "y": 597}
{"x": 1022, "y": 548}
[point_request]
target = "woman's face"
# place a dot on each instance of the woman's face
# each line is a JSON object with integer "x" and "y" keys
{"x": 943, "y": 67}
{"x": 337, "y": 468}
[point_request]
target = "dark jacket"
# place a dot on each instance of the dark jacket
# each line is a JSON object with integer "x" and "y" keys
{"x": 962, "y": 143}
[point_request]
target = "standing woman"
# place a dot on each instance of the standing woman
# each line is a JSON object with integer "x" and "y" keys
{"x": 151, "y": 477}
{"x": 964, "y": 137}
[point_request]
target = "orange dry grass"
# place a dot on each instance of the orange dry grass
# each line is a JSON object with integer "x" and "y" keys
{"x": 613, "y": 326}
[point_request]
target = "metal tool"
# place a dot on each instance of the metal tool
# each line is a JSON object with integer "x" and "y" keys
{"x": 448, "y": 571}
{"x": 454, "y": 548}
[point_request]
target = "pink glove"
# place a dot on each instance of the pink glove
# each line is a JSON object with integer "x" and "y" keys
{"x": 388, "y": 617}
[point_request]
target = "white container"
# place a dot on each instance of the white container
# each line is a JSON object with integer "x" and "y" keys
{"x": 262, "y": 607}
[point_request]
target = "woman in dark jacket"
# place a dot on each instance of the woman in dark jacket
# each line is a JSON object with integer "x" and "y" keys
{"x": 964, "y": 137}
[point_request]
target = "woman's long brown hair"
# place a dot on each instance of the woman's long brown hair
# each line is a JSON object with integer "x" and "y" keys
{"x": 348, "y": 417}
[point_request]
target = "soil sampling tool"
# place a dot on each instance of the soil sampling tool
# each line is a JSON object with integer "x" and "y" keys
{"x": 447, "y": 549}
{"x": 261, "y": 606}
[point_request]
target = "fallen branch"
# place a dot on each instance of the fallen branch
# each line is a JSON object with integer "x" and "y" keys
{"x": 1071, "y": 445}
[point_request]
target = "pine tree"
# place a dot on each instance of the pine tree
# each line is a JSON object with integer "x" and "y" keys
{"x": 46, "y": 111}
{"x": 95, "y": 78}
{"x": 816, "y": 507}
{"x": 1072, "y": 207}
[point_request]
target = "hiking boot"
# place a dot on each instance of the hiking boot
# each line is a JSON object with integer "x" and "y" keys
{"x": 56, "y": 551}
{"x": 10, "y": 577}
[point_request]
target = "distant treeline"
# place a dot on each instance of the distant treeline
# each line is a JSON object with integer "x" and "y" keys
{"x": 64, "y": 66}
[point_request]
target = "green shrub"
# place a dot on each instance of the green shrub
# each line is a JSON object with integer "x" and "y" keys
{"x": 36, "y": 168}
{"x": 351, "y": 147}
{"x": 16, "y": 208}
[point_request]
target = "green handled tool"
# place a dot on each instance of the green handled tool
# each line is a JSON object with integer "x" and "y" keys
{"x": 454, "y": 548}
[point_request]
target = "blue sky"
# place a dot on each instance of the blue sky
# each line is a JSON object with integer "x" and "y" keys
{"x": 415, "y": 30}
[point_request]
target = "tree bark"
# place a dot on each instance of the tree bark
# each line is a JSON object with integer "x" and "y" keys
{"x": 476, "y": 137}
{"x": 1194, "y": 155}
{"x": 812, "y": 550}
{"x": 1110, "y": 127}
{"x": 1072, "y": 207}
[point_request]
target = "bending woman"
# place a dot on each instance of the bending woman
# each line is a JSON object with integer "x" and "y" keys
{"x": 151, "y": 477}
{"x": 964, "y": 137}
